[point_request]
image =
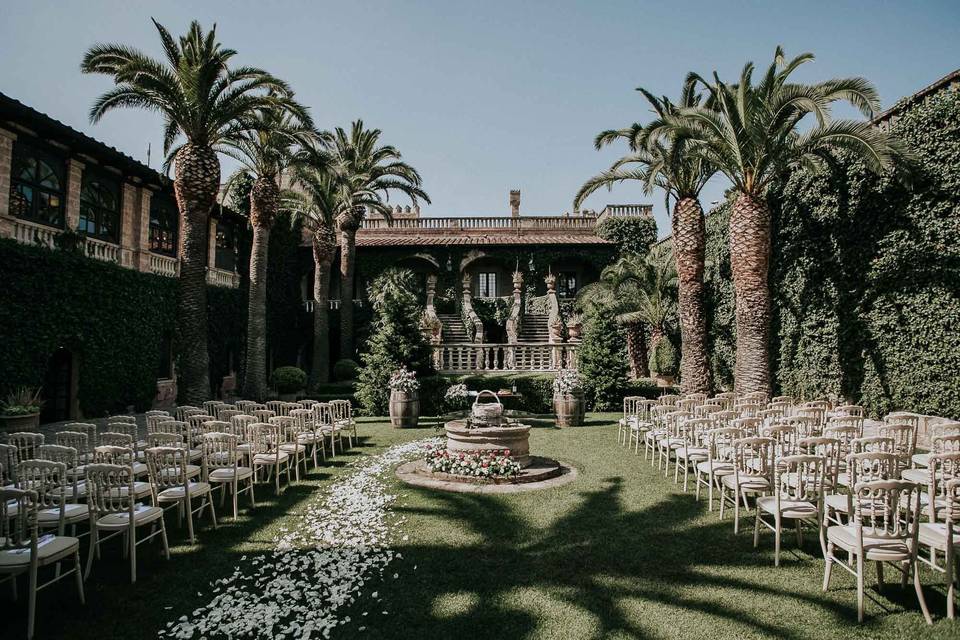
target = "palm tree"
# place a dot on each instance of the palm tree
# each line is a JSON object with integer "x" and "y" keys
{"x": 205, "y": 102}
{"x": 264, "y": 152}
{"x": 750, "y": 133}
{"x": 363, "y": 166}
{"x": 668, "y": 164}
{"x": 639, "y": 291}
{"x": 317, "y": 202}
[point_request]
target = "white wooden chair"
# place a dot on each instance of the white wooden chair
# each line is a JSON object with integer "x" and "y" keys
{"x": 289, "y": 443}
{"x": 115, "y": 511}
{"x": 719, "y": 460}
{"x": 343, "y": 418}
{"x": 752, "y": 475}
{"x": 48, "y": 480}
{"x": 865, "y": 466}
{"x": 224, "y": 468}
{"x": 797, "y": 495}
{"x": 884, "y": 529}
{"x": 26, "y": 443}
{"x": 941, "y": 439}
{"x": 943, "y": 537}
{"x": 693, "y": 448}
{"x": 266, "y": 440}
{"x": 307, "y": 435}
{"x": 123, "y": 456}
{"x": 21, "y": 551}
{"x": 172, "y": 485}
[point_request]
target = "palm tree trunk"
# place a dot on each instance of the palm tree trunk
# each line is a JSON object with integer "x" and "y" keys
{"x": 322, "y": 259}
{"x": 195, "y": 185}
{"x": 637, "y": 351}
{"x": 689, "y": 246}
{"x": 656, "y": 334}
{"x": 348, "y": 256}
{"x": 264, "y": 202}
{"x": 750, "y": 230}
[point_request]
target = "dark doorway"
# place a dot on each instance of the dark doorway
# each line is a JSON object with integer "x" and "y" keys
{"x": 58, "y": 387}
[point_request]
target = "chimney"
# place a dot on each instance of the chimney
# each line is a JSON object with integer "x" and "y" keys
{"x": 515, "y": 203}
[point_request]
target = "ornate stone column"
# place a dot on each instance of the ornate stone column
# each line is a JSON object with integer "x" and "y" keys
{"x": 516, "y": 309}
{"x": 129, "y": 223}
{"x": 470, "y": 317}
{"x": 553, "y": 309}
{"x": 143, "y": 230}
{"x": 74, "y": 180}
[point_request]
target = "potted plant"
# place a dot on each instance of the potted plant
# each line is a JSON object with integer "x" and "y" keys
{"x": 21, "y": 410}
{"x": 404, "y": 399}
{"x": 289, "y": 382}
{"x": 568, "y": 401}
{"x": 455, "y": 398}
{"x": 663, "y": 362}
{"x": 574, "y": 327}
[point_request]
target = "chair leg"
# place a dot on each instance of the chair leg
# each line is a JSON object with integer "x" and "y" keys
{"x": 234, "y": 486}
{"x": 827, "y": 568}
{"x": 879, "y": 575}
{"x": 32, "y": 599}
{"x": 132, "y": 537}
{"x": 948, "y": 576}
{"x": 777, "y": 535}
{"x": 919, "y": 589}
{"x": 253, "y": 502}
{"x": 163, "y": 537}
{"x": 213, "y": 514}
{"x": 189, "y": 507}
{"x": 736, "y": 511}
{"x": 756, "y": 529}
{"x": 859, "y": 588}
{"x": 78, "y": 576}
{"x": 94, "y": 543}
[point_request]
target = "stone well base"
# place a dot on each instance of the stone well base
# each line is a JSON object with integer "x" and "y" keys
{"x": 541, "y": 473}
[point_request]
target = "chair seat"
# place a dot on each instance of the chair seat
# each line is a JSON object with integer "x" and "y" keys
{"x": 747, "y": 483}
{"x": 308, "y": 438}
{"x": 837, "y": 502}
{"x": 798, "y": 509}
{"x": 693, "y": 453}
{"x": 140, "y": 489}
{"x": 176, "y": 493}
{"x": 193, "y": 470}
{"x": 270, "y": 458}
{"x": 292, "y": 448}
{"x": 245, "y": 448}
{"x": 72, "y": 513}
{"x": 143, "y": 515}
{"x": 920, "y": 476}
{"x": 843, "y": 479}
{"x": 921, "y": 459}
{"x": 53, "y": 550}
{"x": 81, "y": 490}
{"x": 227, "y": 474}
{"x": 874, "y": 548}
{"x": 934, "y": 534}
{"x": 719, "y": 468}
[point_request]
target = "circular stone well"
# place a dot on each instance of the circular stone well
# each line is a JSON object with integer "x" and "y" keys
{"x": 540, "y": 473}
{"x": 516, "y": 438}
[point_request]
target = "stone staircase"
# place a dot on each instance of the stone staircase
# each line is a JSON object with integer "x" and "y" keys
{"x": 534, "y": 328}
{"x": 453, "y": 329}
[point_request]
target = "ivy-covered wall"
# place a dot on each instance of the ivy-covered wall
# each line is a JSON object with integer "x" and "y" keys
{"x": 865, "y": 277}
{"x": 113, "y": 320}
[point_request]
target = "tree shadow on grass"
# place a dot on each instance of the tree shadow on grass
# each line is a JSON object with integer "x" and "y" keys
{"x": 603, "y": 561}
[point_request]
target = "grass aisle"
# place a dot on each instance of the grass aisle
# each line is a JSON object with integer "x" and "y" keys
{"x": 620, "y": 553}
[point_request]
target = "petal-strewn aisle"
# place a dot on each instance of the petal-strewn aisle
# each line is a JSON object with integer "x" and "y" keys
{"x": 339, "y": 542}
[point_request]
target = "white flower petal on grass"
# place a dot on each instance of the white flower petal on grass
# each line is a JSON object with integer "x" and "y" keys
{"x": 340, "y": 542}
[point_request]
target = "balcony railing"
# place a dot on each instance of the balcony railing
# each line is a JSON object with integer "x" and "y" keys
{"x": 334, "y": 304}
{"x": 106, "y": 251}
{"x": 223, "y": 278}
{"x": 164, "y": 265}
{"x": 26, "y": 232}
{"x": 467, "y": 358}
{"x": 519, "y": 224}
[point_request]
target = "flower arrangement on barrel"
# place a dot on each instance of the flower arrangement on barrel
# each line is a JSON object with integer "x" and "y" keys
{"x": 568, "y": 401}
{"x": 404, "y": 398}
{"x": 478, "y": 464}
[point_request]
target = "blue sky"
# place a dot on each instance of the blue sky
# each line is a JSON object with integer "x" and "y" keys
{"x": 486, "y": 96}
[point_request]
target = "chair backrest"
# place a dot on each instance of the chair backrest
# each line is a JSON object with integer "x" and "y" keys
{"x": 887, "y": 509}
{"x": 699, "y": 397}
{"x": 264, "y": 437}
{"x": 855, "y": 422}
{"x": 181, "y": 412}
{"x": 18, "y": 520}
{"x": 163, "y": 439}
{"x": 676, "y": 418}
{"x": 753, "y": 457}
{"x": 720, "y": 443}
{"x": 26, "y": 443}
{"x": 287, "y": 407}
{"x": 658, "y": 414}
{"x": 303, "y": 419}
{"x": 952, "y": 507}
{"x": 867, "y": 466}
{"x": 669, "y": 398}
{"x": 216, "y": 425}
{"x": 174, "y": 426}
{"x": 129, "y": 428}
{"x": 694, "y": 430}
{"x": 84, "y": 427}
{"x": 8, "y": 464}
{"x": 801, "y": 477}
{"x": 807, "y": 426}
{"x": 817, "y": 404}
{"x": 785, "y": 436}
{"x": 243, "y": 421}
{"x": 122, "y": 418}
{"x": 275, "y": 406}
{"x": 723, "y": 418}
{"x": 749, "y": 426}
{"x": 74, "y": 440}
{"x": 851, "y": 410}
{"x": 946, "y": 443}
{"x": 110, "y": 489}
{"x": 945, "y": 431}
{"x": 245, "y": 405}
{"x": 322, "y": 415}
{"x": 873, "y": 443}
{"x": 196, "y": 422}
{"x": 767, "y": 416}
{"x": 156, "y": 417}
{"x": 306, "y": 403}
{"x": 220, "y": 450}
{"x": 943, "y": 468}
{"x": 48, "y": 480}
{"x": 69, "y": 458}
{"x": 107, "y": 454}
{"x": 210, "y": 407}
{"x": 687, "y": 404}
{"x": 816, "y": 415}
{"x": 167, "y": 467}
{"x": 904, "y": 438}
{"x": 782, "y": 400}
{"x": 830, "y": 449}
{"x": 908, "y": 418}
{"x": 115, "y": 439}
{"x": 845, "y": 435}
{"x": 227, "y": 415}
{"x": 342, "y": 410}
{"x": 262, "y": 415}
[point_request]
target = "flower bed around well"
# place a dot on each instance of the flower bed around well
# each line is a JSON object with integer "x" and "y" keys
{"x": 482, "y": 464}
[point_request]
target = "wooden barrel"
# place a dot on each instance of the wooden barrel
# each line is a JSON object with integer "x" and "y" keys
{"x": 404, "y": 409}
{"x": 569, "y": 409}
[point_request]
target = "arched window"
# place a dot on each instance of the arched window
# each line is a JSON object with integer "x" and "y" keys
{"x": 99, "y": 209}
{"x": 36, "y": 186}
{"x": 164, "y": 225}
{"x": 226, "y": 253}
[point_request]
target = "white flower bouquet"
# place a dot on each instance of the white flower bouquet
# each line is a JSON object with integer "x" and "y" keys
{"x": 567, "y": 382}
{"x": 404, "y": 380}
{"x": 456, "y": 396}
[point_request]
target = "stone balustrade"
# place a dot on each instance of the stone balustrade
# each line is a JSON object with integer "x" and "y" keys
{"x": 222, "y": 278}
{"x": 468, "y": 358}
{"x": 586, "y": 223}
{"x": 26, "y": 232}
{"x": 308, "y": 305}
{"x": 101, "y": 250}
{"x": 164, "y": 265}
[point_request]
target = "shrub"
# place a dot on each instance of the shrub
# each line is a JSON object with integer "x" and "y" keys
{"x": 395, "y": 339}
{"x": 535, "y": 389}
{"x": 602, "y": 362}
{"x": 663, "y": 358}
{"x": 288, "y": 379}
{"x": 632, "y": 235}
{"x": 345, "y": 369}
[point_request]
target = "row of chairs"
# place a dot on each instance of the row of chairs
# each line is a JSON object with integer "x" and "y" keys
{"x": 866, "y": 495}
{"x": 119, "y": 482}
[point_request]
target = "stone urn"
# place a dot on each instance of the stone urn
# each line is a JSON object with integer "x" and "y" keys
{"x": 404, "y": 409}
{"x": 569, "y": 408}
{"x": 25, "y": 422}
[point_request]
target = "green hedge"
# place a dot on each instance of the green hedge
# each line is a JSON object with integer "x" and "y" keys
{"x": 114, "y": 320}
{"x": 865, "y": 277}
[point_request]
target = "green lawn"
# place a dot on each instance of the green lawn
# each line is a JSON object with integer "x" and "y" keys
{"x": 619, "y": 553}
